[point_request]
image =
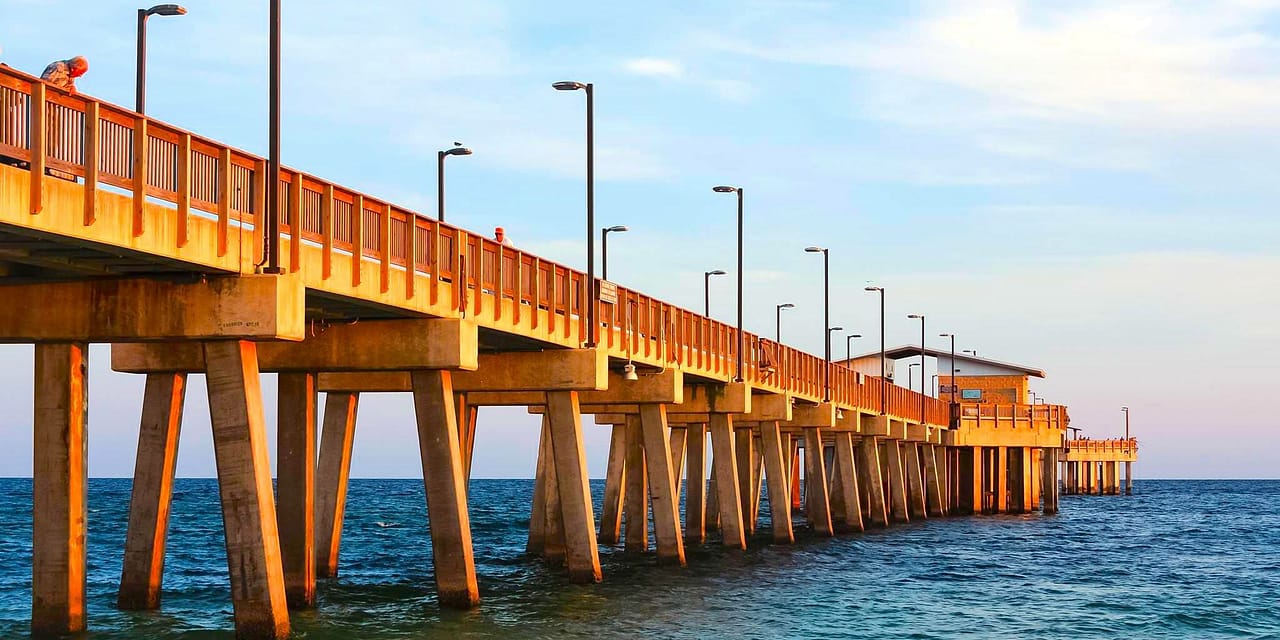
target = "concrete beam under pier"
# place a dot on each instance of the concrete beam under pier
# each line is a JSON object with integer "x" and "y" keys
{"x": 123, "y": 310}
{"x": 533, "y": 371}
{"x": 375, "y": 346}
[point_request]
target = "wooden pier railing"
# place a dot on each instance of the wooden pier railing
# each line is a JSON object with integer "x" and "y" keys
{"x": 108, "y": 146}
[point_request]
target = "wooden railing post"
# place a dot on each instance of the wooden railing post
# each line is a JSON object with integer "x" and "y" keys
{"x": 224, "y": 199}
{"x": 384, "y": 247}
{"x": 184, "y": 187}
{"x": 259, "y": 211}
{"x": 91, "y": 112}
{"x": 140, "y": 152}
{"x": 410, "y": 252}
{"x": 295, "y": 222}
{"x": 357, "y": 237}
{"x": 36, "y": 128}
{"x": 326, "y": 231}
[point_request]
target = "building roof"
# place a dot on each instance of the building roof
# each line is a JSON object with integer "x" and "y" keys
{"x": 913, "y": 351}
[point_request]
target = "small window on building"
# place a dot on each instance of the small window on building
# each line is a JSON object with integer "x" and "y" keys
{"x": 971, "y": 394}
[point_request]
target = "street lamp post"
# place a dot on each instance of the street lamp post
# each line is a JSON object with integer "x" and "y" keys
{"x": 911, "y": 376}
{"x": 456, "y": 150}
{"x": 883, "y": 389}
{"x": 741, "y": 338}
{"x": 593, "y": 291}
{"x": 140, "y": 81}
{"x": 272, "y": 214}
{"x": 604, "y": 248}
{"x": 826, "y": 317}
{"x": 848, "y": 349}
{"x": 920, "y": 317}
{"x": 706, "y": 290}
{"x": 777, "y": 327}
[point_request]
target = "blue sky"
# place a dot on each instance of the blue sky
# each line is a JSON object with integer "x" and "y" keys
{"x": 1088, "y": 188}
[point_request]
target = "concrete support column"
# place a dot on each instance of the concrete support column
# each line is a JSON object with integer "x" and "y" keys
{"x": 933, "y": 481}
{"x": 1002, "y": 480}
{"x": 636, "y": 505}
{"x": 332, "y": 473}
{"x": 779, "y": 478}
{"x": 1049, "y": 480}
{"x": 726, "y": 479}
{"x": 581, "y": 553}
{"x": 154, "y": 467}
{"x": 757, "y": 483}
{"x": 897, "y": 481}
{"x": 850, "y": 517}
{"x": 1128, "y": 478}
{"x": 296, "y": 485}
{"x": 666, "y": 502}
{"x": 915, "y": 480}
{"x": 793, "y": 463}
{"x": 244, "y": 483}
{"x": 59, "y": 477}
{"x": 614, "y": 491}
{"x": 695, "y": 500}
{"x": 679, "y": 436}
{"x": 442, "y": 473}
{"x": 744, "y": 450}
{"x": 815, "y": 482}
{"x": 872, "y": 480}
{"x": 546, "y": 521}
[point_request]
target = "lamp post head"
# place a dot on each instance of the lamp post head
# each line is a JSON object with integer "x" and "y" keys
{"x": 815, "y": 250}
{"x": 913, "y": 364}
{"x": 166, "y": 10}
{"x": 568, "y": 85}
{"x": 854, "y": 335}
{"x": 717, "y": 272}
{"x": 916, "y": 316}
{"x": 1125, "y": 409}
{"x": 945, "y": 335}
{"x": 615, "y": 229}
{"x": 725, "y": 189}
{"x": 786, "y": 305}
{"x": 457, "y": 151}
{"x": 833, "y": 329}
{"x": 881, "y": 289}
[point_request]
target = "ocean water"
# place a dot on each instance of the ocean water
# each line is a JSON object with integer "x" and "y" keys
{"x": 1180, "y": 559}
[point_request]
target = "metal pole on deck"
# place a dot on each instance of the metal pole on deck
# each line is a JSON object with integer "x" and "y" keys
{"x": 884, "y": 390}
{"x": 140, "y": 79}
{"x": 272, "y": 215}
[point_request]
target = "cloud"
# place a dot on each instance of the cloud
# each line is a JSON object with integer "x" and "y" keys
{"x": 657, "y": 67}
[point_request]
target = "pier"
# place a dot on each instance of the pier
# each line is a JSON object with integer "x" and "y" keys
{"x": 118, "y": 228}
{"x": 1093, "y": 466}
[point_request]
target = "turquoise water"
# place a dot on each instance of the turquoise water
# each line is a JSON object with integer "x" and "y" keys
{"x": 1180, "y": 559}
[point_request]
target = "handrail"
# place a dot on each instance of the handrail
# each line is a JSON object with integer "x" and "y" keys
{"x": 200, "y": 175}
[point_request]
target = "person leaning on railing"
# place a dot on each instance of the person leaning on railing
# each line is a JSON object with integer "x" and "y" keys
{"x": 63, "y": 73}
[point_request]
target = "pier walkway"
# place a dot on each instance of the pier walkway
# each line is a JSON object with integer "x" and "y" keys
{"x": 117, "y": 228}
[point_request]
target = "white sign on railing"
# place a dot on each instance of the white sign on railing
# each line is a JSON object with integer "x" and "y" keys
{"x": 608, "y": 292}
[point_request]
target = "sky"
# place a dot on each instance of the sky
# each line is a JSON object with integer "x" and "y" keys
{"x": 1088, "y": 188}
